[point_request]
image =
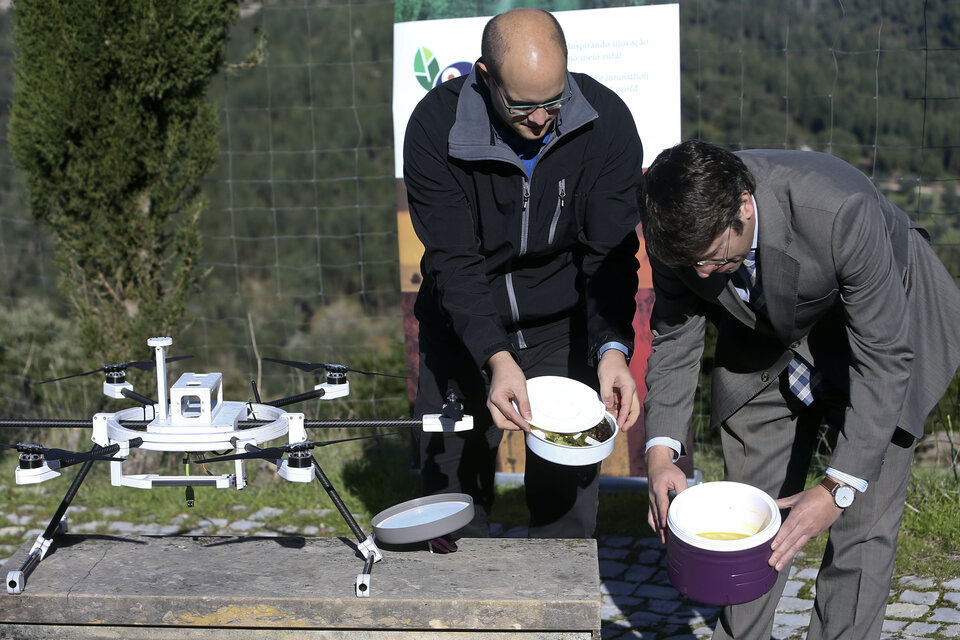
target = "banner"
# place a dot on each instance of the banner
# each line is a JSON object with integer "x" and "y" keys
{"x": 633, "y": 50}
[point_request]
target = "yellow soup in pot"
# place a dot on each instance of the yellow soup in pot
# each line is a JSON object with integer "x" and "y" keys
{"x": 723, "y": 535}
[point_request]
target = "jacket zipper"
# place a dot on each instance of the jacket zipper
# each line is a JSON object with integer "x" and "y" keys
{"x": 524, "y": 232}
{"x": 525, "y": 217}
{"x": 561, "y": 193}
{"x": 515, "y": 311}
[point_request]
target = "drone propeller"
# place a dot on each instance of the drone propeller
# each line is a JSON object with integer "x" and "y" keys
{"x": 55, "y": 454}
{"x": 275, "y": 453}
{"x": 310, "y": 367}
{"x": 143, "y": 365}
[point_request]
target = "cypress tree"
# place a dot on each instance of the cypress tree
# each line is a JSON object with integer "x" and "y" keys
{"x": 112, "y": 129}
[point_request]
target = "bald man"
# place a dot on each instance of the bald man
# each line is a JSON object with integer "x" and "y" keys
{"x": 521, "y": 180}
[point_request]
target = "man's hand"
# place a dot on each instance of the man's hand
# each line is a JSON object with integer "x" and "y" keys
{"x": 508, "y": 385}
{"x": 663, "y": 476}
{"x": 811, "y": 513}
{"x": 618, "y": 388}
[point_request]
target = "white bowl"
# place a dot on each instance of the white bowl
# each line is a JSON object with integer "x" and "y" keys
{"x": 730, "y": 507}
{"x": 574, "y": 456}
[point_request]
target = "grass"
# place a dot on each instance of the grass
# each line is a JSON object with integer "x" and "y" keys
{"x": 373, "y": 475}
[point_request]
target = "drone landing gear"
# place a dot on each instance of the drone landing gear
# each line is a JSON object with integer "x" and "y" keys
{"x": 17, "y": 580}
{"x": 366, "y": 546}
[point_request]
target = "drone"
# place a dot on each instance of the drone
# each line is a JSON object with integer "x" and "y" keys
{"x": 191, "y": 416}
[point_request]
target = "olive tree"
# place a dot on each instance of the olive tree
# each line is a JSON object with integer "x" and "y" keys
{"x": 112, "y": 129}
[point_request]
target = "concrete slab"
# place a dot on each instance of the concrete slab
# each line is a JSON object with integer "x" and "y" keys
{"x": 504, "y": 588}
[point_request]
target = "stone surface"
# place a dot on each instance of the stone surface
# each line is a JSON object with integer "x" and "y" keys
{"x": 921, "y": 628}
{"x": 946, "y": 615}
{"x": 920, "y": 584}
{"x": 908, "y": 611}
{"x": 919, "y": 597}
{"x": 495, "y": 585}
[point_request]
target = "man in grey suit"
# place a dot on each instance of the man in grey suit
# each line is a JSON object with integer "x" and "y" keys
{"x": 830, "y": 307}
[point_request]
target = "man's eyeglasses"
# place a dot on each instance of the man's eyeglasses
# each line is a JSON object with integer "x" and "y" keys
{"x": 526, "y": 109}
{"x": 714, "y": 262}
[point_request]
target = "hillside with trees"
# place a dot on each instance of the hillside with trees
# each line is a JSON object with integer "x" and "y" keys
{"x": 299, "y": 238}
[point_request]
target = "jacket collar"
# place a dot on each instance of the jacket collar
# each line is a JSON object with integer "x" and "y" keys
{"x": 779, "y": 271}
{"x": 473, "y": 136}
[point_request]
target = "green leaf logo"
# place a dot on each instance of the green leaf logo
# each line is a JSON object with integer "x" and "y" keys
{"x": 425, "y": 67}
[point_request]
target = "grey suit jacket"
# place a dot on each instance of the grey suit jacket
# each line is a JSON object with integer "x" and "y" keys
{"x": 849, "y": 283}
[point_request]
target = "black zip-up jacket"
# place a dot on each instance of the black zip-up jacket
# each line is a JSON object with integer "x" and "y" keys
{"x": 508, "y": 260}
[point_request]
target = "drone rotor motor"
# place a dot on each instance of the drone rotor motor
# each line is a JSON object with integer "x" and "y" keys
{"x": 31, "y": 461}
{"x": 115, "y": 382}
{"x": 296, "y": 467}
{"x": 33, "y": 468}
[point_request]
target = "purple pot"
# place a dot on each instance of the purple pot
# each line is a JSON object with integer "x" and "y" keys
{"x": 721, "y": 571}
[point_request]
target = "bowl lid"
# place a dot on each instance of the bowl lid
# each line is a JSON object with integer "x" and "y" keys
{"x": 563, "y": 405}
{"x": 423, "y": 518}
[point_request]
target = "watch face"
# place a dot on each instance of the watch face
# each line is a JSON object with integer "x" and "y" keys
{"x": 843, "y": 496}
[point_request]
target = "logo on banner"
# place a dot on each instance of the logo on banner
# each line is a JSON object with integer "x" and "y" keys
{"x": 426, "y": 69}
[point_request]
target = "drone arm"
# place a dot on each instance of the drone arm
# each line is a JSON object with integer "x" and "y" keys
{"x": 133, "y": 395}
{"x": 252, "y": 448}
{"x": 103, "y": 453}
{"x": 300, "y": 397}
{"x": 78, "y": 480}
{"x": 33, "y": 423}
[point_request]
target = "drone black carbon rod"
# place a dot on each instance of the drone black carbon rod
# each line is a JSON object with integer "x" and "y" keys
{"x": 300, "y": 397}
{"x": 133, "y": 395}
{"x": 356, "y": 423}
{"x": 337, "y": 501}
{"x": 52, "y": 423}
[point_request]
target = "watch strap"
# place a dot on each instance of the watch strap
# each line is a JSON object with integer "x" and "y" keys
{"x": 829, "y": 484}
{"x": 832, "y": 486}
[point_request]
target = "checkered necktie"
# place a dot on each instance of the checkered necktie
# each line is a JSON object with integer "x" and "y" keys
{"x": 804, "y": 380}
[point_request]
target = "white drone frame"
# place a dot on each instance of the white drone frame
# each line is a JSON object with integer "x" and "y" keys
{"x": 197, "y": 419}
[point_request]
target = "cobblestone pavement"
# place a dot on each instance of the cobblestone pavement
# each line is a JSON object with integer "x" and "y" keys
{"x": 638, "y": 601}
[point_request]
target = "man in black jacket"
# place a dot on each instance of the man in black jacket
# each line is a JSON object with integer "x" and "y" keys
{"x": 521, "y": 181}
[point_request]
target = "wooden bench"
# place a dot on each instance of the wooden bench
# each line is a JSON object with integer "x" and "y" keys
{"x": 108, "y": 586}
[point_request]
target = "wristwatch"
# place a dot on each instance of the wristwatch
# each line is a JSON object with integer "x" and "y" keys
{"x": 843, "y": 494}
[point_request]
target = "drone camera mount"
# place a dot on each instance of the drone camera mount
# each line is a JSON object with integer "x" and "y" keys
{"x": 196, "y": 398}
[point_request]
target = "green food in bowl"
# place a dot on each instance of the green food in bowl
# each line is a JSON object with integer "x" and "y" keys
{"x": 600, "y": 433}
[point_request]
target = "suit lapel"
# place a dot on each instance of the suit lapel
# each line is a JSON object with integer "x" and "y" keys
{"x": 779, "y": 271}
{"x": 732, "y": 302}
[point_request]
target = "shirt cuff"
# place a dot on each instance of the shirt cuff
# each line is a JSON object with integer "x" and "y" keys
{"x": 846, "y": 478}
{"x": 667, "y": 442}
{"x": 622, "y": 348}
